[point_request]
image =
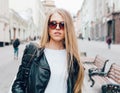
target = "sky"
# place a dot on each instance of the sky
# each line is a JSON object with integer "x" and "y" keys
{"x": 20, "y": 5}
{"x": 71, "y": 5}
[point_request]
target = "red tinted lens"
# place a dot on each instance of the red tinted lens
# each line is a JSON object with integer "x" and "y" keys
{"x": 52, "y": 24}
{"x": 61, "y": 25}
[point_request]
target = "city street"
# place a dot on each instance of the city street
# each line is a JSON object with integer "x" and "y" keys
{"x": 9, "y": 66}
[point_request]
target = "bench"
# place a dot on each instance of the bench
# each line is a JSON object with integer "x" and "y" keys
{"x": 98, "y": 63}
{"x": 111, "y": 81}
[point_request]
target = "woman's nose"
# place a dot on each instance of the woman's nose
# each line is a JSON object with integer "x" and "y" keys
{"x": 57, "y": 27}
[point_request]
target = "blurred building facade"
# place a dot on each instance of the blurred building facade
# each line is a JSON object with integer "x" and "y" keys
{"x": 33, "y": 13}
{"x": 100, "y": 18}
{"x": 14, "y": 23}
{"x": 4, "y": 23}
{"x": 48, "y": 5}
{"x": 18, "y": 26}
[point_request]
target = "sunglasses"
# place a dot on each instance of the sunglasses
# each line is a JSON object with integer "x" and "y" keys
{"x": 53, "y": 25}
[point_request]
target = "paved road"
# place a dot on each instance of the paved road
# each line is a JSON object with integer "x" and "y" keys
{"x": 93, "y": 48}
{"x": 9, "y": 67}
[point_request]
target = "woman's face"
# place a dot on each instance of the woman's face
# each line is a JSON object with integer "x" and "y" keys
{"x": 56, "y": 28}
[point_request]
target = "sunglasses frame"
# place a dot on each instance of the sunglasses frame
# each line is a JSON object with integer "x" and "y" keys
{"x": 53, "y": 24}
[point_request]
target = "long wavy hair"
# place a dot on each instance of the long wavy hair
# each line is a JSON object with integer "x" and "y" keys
{"x": 70, "y": 43}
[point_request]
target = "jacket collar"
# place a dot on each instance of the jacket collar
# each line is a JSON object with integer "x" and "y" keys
{"x": 41, "y": 59}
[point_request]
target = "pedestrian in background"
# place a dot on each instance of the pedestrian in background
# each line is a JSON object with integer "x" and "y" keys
{"x": 16, "y": 44}
{"x": 109, "y": 41}
{"x": 89, "y": 39}
{"x": 57, "y": 67}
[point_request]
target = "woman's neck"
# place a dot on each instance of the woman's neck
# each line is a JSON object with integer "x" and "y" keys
{"x": 55, "y": 45}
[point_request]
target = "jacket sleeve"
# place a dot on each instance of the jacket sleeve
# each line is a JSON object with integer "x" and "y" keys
{"x": 19, "y": 83}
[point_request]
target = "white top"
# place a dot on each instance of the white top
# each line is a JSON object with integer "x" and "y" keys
{"x": 57, "y": 61}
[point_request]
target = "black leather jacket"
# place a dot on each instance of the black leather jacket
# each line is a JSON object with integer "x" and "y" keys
{"x": 40, "y": 74}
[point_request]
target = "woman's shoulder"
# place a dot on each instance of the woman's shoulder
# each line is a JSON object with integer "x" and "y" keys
{"x": 30, "y": 48}
{"x": 33, "y": 45}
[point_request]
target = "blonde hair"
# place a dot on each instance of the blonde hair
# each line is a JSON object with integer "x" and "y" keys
{"x": 70, "y": 44}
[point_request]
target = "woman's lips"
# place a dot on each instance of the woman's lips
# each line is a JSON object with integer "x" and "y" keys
{"x": 57, "y": 33}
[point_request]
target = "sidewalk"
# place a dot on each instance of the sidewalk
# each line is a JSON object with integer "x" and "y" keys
{"x": 7, "y": 53}
{"x": 92, "y": 48}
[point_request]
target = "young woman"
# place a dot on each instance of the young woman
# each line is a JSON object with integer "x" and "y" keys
{"x": 57, "y": 67}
